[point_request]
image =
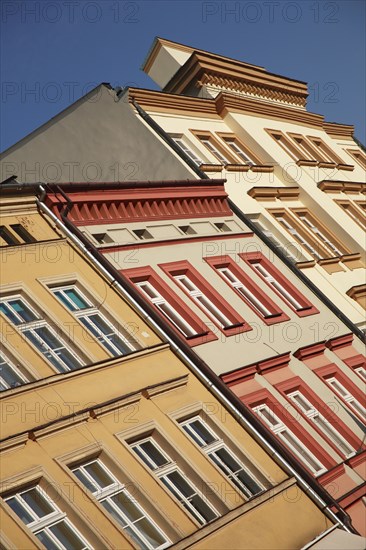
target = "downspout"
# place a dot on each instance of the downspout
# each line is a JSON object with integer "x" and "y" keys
{"x": 244, "y": 415}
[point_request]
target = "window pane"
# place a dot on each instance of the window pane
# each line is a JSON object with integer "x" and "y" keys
{"x": 4, "y": 308}
{"x": 180, "y": 483}
{"x": 150, "y": 532}
{"x": 203, "y": 508}
{"x": 154, "y": 453}
{"x": 99, "y": 474}
{"x": 134, "y": 536}
{"x": 67, "y": 536}
{"x": 76, "y": 298}
{"x": 19, "y": 509}
{"x": 47, "y": 541}
{"x": 9, "y": 377}
{"x": 22, "y": 310}
{"x": 198, "y": 428}
{"x": 84, "y": 480}
{"x": 37, "y": 502}
{"x": 114, "y": 513}
{"x": 131, "y": 511}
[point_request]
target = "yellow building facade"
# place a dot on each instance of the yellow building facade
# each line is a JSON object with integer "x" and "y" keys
{"x": 108, "y": 439}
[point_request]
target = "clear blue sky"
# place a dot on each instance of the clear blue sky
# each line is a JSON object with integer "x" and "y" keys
{"x": 54, "y": 51}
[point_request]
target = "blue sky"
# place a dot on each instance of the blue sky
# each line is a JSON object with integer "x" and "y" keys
{"x": 53, "y": 52}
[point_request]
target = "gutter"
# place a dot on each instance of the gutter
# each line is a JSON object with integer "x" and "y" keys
{"x": 210, "y": 380}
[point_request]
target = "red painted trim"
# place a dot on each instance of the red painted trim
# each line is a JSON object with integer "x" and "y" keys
{"x": 171, "y": 242}
{"x": 353, "y": 496}
{"x": 204, "y": 335}
{"x": 308, "y": 352}
{"x": 340, "y": 341}
{"x": 235, "y": 377}
{"x": 296, "y": 383}
{"x": 356, "y": 361}
{"x": 307, "y": 307}
{"x": 360, "y": 458}
{"x": 278, "y": 316}
{"x": 185, "y": 268}
{"x": 332, "y": 474}
{"x": 274, "y": 363}
{"x": 262, "y": 397}
{"x": 143, "y": 204}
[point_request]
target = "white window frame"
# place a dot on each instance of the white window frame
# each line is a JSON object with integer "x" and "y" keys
{"x": 272, "y": 281}
{"x": 31, "y": 327}
{"x": 293, "y": 231}
{"x": 84, "y": 315}
{"x": 314, "y": 416}
{"x": 361, "y": 371}
{"x": 180, "y": 141}
{"x": 43, "y": 524}
{"x": 162, "y": 472}
{"x": 105, "y": 494}
{"x": 211, "y": 450}
{"x": 339, "y": 388}
{"x": 289, "y": 439}
{"x": 231, "y": 278}
{"x": 166, "y": 309}
{"x": 325, "y": 241}
{"x": 203, "y": 301}
{"x": 19, "y": 378}
{"x": 235, "y": 147}
{"x": 214, "y": 150}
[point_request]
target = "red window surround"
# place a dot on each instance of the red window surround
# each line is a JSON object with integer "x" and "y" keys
{"x": 238, "y": 324}
{"x": 263, "y": 397}
{"x": 304, "y": 308}
{"x": 276, "y": 315}
{"x": 202, "y": 333}
{"x": 296, "y": 383}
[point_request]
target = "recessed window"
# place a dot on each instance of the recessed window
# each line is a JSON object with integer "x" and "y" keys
{"x": 315, "y": 417}
{"x": 223, "y": 227}
{"x": 23, "y": 233}
{"x": 283, "y": 432}
{"x": 142, "y": 234}
{"x": 120, "y": 504}
{"x": 117, "y": 342}
{"x": 222, "y": 456}
{"x": 321, "y": 233}
{"x": 239, "y": 149}
{"x": 46, "y": 520}
{"x": 354, "y": 211}
{"x": 325, "y": 150}
{"x": 175, "y": 480}
{"x": 39, "y": 333}
{"x": 102, "y": 238}
{"x": 216, "y": 149}
{"x": 288, "y": 146}
{"x": 358, "y": 156}
{"x": 345, "y": 394}
{"x": 10, "y": 375}
{"x": 187, "y": 149}
{"x": 187, "y": 230}
{"x": 7, "y": 236}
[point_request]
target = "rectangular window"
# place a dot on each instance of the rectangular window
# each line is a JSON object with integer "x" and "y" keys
{"x": 205, "y": 296}
{"x": 309, "y": 151}
{"x": 120, "y": 504}
{"x": 46, "y": 521}
{"x": 175, "y": 480}
{"x": 282, "y": 431}
{"x": 188, "y": 151}
{"x": 325, "y": 150}
{"x": 216, "y": 149}
{"x": 314, "y": 416}
{"x": 328, "y": 241}
{"x": 358, "y": 156}
{"x": 300, "y": 234}
{"x": 282, "y": 286}
{"x": 175, "y": 311}
{"x": 354, "y": 210}
{"x": 10, "y": 376}
{"x": 39, "y": 333}
{"x": 248, "y": 291}
{"x": 240, "y": 150}
{"x": 346, "y": 395}
{"x": 116, "y": 342}
{"x": 7, "y": 236}
{"x": 295, "y": 152}
{"x": 23, "y": 233}
{"x": 222, "y": 456}
{"x": 361, "y": 371}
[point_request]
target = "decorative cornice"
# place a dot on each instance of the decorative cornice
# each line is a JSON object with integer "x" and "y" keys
{"x": 339, "y": 130}
{"x": 274, "y": 363}
{"x": 262, "y": 367}
{"x": 142, "y": 204}
{"x": 157, "y": 389}
{"x": 272, "y": 193}
{"x": 332, "y": 186}
{"x": 226, "y": 103}
{"x": 356, "y": 292}
{"x": 239, "y": 375}
{"x": 171, "y": 103}
{"x": 340, "y": 341}
{"x": 308, "y": 352}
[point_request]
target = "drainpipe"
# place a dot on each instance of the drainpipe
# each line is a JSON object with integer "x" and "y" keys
{"x": 225, "y": 396}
